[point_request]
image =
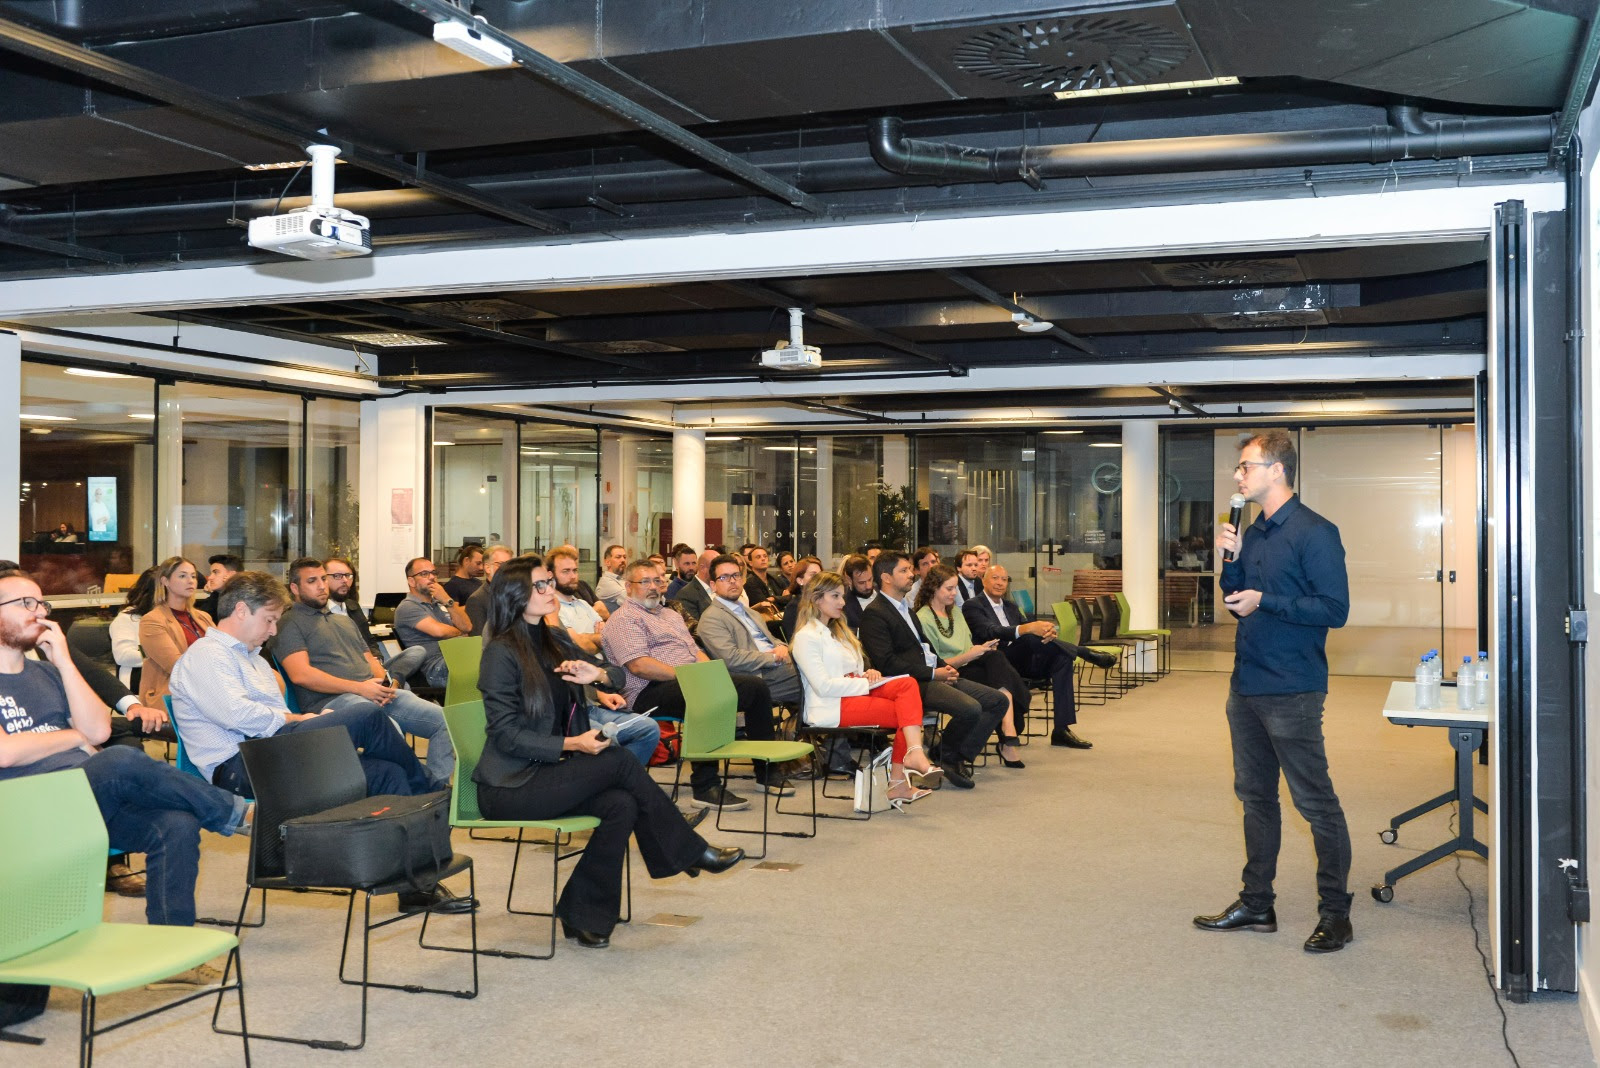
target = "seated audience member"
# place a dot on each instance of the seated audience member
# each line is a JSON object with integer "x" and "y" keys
{"x": 733, "y": 634}
{"x": 684, "y": 560}
{"x": 969, "y": 576}
{"x": 857, "y": 571}
{"x": 659, "y": 560}
{"x": 610, "y": 588}
{"x": 540, "y": 762}
{"x": 923, "y": 560}
{"x": 219, "y": 569}
{"x": 803, "y": 571}
{"x": 841, "y": 691}
{"x": 757, "y": 584}
{"x": 895, "y": 645}
{"x": 583, "y": 627}
{"x": 426, "y": 617}
{"x": 125, "y": 648}
{"x": 477, "y": 605}
{"x": 468, "y": 575}
{"x": 785, "y": 564}
{"x": 51, "y": 719}
{"x": 331, "y": 669}
{"x": 63, "y": 534}
{"x": 946, "y": 630}
{"x": 871, "y": 550}
{"x": 650, "y": 642}
{"x": 1033, "y": 650}
{"x": 695, "y": 595}
{"x": 170, "y": 627}
{"x": 585, "y": 591}
{"x": 342, "y": 581}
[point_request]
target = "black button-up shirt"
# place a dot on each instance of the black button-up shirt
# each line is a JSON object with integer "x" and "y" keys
{"x": 1296, "y": 560}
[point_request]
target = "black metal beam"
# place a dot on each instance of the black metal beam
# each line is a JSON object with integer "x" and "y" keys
{"x": 592, "y": 92}
{"x": 61, "y": 248}
{"x": 778, "y": 299}
{"x": 978, "y": 289}
{"x": 439, "y": 322}
{"x": 1579, "y": 89}
{"x": 256, "y": 120}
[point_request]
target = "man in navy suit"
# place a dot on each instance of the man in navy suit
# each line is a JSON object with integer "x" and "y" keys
{"x": 1033, "y": 650}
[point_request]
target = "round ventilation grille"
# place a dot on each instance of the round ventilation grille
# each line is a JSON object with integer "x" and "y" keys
{"x": 1062, "y": 54}
{"x": 1228, "y": 272}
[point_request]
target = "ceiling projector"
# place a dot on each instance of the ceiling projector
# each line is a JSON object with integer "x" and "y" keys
{"x": 796, "y": 355}
{"x": 318, "y": 231}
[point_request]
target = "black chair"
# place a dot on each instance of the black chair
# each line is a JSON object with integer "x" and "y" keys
{"x": 308, "y": 772}
{"x": 1110, "y": 630}
{"x": 383, "y": 606}
{"x": 863, "y": 742}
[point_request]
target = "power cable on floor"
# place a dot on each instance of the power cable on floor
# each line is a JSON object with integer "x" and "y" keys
{"x": 1477, "y": 944}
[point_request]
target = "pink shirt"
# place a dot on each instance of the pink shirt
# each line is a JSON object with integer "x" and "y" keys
{"x": 632, "y": 632}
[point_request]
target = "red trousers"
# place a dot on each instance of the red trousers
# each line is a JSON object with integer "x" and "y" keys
{"x": 896, "y": 704}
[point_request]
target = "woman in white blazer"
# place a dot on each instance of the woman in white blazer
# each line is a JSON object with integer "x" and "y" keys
{"x": 840, "y": 690}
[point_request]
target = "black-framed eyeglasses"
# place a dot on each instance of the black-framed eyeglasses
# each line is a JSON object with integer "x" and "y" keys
{"x": 1244, "y": 466}
{"x": 423, "y": 574}
{"x": 647, "y": 582}
{"x": 725, "y": 576}
{"x": 340, "y": 575}
{"x": 544, "y": 585}
{"x": 30, "y": 604}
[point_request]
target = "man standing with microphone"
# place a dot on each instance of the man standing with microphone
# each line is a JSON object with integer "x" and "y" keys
{"x": 1284, "y": 580}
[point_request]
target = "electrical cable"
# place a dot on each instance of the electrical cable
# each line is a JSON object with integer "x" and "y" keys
{"x": 1477, "y": 943}
{"x": 278, "y": 207}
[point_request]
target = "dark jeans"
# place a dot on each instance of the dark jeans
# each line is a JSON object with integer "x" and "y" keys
{"x": 974, "y": 710}
{"x": 1036, "y": 658}
{"x": 613, "y": 787}
{"x": 755, "y": 701}
{"x": 390, "y": 765}
{"x": 1283, "y": 732}
{"x": 155, "y": 809}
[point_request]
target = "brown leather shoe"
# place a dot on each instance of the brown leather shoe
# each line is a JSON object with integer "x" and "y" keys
{"x": 123, "y": 880}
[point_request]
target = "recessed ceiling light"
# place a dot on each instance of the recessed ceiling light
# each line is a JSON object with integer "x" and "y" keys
{"x": 390, "y": 339}
{"x": 40, "y": 417}
{"x": 91, "y": 372}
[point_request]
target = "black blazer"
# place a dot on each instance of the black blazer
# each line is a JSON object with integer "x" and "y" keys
{"x": 984, "y": 625}
{"x": 758, "y": 589}
{"x": 889, "y": 646}
{"x": 517, "y": 743}
{"x": 355, "y": 614}
{"x": 852, "y": 610}
{"x": 969, "y": 588}
{"x": 694, "y": 598}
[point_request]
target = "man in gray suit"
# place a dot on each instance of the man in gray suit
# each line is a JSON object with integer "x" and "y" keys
{"x": 695, "y": 596}
{"x": 733, "y": 634}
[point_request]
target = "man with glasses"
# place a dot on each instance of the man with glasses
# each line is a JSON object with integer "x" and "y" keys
{"x": 426, "y": 617}
{"x": 331, "y": 669}
{"x": 737, "y": 636}
{"x": 1286, "y": 584}
{"x": 342, "y": 579}
{"x": 651, "y": 643}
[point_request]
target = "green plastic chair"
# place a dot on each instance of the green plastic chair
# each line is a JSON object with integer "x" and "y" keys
{"x": 462, "y": 656}
{"x": 711, "y": 711}
{"x": 51, "y": 932}
{"x": 1160, "y": 635}
{"x": 469, "y": 734}
{"x": 1067, "y": 631}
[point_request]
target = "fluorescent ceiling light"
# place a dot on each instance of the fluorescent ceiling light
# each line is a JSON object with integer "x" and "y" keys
{"x": 387, "y": 339}
{"x": 1154, "y": 87}
{"x": 1105, "y": 444}
{"x": 444, "y": 443}
{"x": 1062, "y": 431}
{"x": 148, "y": 417}
{"x": 40, "y": 417}
{"x": 723, "y": 437}
{"x": 90, "y": 372}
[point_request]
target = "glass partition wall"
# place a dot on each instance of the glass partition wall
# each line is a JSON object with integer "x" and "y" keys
{"x": 560, "y": 484}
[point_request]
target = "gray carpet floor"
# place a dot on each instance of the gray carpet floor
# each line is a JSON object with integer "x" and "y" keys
{"x": 1042, "y": 918}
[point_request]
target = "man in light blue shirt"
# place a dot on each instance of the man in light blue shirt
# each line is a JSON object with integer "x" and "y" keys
{"x": 735, "y": 635}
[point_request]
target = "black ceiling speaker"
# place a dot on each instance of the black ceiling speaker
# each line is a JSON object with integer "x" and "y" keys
{"x": 1071, "y": 53}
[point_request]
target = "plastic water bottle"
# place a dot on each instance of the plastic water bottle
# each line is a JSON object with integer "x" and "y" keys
{"x": 1424, "y": 678}
{"x": 1467, "y": 685}
{"x": 1485, "y": 691}
{"x": 1436, "y": 679}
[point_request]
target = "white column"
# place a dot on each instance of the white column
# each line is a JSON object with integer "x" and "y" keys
{"x": 824, "y": 518}
{"x": 10, "y": 445}
{"x": 689, "y": 487}
{"x": 393, "y": 495}
{"x": 1141, "y": 522}
{"x": 510, "y": 486}
{"x": 169, "y": 474}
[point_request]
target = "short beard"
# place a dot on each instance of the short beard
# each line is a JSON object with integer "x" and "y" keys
{"x": 338, "y": 598}
{"x": 649, "y": 602}
{"x": 568, "y": 591}
{"x": 12, "y": 637}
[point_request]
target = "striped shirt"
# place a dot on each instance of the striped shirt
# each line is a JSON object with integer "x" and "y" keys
{"x": 632, "y": 632}
{"x": 223, "y": 693}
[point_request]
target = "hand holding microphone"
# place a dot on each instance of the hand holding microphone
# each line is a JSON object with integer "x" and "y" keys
{"x": 1229, "y": 540}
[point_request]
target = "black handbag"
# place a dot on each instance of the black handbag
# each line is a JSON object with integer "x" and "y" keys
{"x": 371, "y": 842}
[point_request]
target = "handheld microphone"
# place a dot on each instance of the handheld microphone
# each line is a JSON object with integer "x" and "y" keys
{"x": 1236, "y": 503}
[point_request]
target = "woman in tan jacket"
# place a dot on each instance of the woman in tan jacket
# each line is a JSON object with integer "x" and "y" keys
{"x": 170, "y": 627}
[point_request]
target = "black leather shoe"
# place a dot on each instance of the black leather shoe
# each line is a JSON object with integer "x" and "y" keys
{"x": 1333, "y": 933}
{"x": 1236, "y": 917}
{"x": 714, "y": 860}
{"x": 439, "y": 899}
{"x": 1064, "y": 737}
{"x": 697, "y": 818}
{"x": 586, "y": 939}
{"x": 955, "y": 773}
{"x": 1099, "y": 659}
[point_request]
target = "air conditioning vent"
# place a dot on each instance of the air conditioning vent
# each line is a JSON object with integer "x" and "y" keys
{"x": 1063, "y": 53}
{"x": 625, "y": 348}
{"x": 1230, "y": 272}
{"x": 480, "y": 312}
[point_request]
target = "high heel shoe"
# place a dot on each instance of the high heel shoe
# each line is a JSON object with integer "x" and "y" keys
{"x": 1003, "y": 740}
{"x": 586, "y": 939}
{"x": 933, "y": 778}
{"x": 714, "y": 860}
{"x": 899, "y": 803}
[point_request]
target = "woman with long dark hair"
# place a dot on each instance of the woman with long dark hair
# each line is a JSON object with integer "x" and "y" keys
{"x": 125, "y": 649}
{"x": 805, "y": 569}
{"x": 542, "y": 760}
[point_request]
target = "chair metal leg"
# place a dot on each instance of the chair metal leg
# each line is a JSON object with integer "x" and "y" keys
{"x": 86, "y": 1031}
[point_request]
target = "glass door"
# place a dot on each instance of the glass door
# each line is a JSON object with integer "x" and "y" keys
{"x": 1078, "y": 509}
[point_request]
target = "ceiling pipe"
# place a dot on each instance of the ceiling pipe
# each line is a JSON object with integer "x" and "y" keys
{"x": 1418, "y": 138}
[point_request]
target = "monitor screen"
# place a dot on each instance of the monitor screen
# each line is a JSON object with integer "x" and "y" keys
{"x": 102, "y": 491}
